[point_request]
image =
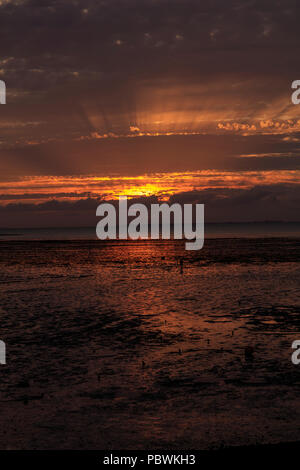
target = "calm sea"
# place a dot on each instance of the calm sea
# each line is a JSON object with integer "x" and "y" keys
{"x": 230, "y": 230}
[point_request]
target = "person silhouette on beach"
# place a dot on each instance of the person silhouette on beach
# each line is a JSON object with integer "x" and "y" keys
{"x": 181, "y": 265}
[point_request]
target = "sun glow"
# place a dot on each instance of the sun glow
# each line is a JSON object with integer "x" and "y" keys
{"x": 40, "y": 188}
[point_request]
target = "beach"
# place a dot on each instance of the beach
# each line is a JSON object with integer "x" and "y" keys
{"x": 110, "y": 346}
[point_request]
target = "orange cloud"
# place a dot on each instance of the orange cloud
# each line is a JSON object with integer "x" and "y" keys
{"x": 163, "y": 185}
{"x": 268, "y": 126}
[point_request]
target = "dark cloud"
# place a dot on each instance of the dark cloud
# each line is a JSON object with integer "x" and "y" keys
{"x": 84, "y": 47}
{"x": 132, "y": 156}
{"x": 81, "y": 73}
{"x": 278, "y": 202}
{"x": 118, "y": 53}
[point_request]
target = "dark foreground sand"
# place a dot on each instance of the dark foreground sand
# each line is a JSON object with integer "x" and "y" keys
{"x": 111, "y": 347}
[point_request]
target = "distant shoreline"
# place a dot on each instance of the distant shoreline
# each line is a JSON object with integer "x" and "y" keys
{"x": 90, "y": 227}
{"x": 212, "y": 231}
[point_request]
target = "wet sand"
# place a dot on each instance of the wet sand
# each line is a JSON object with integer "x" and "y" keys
{"x": 109, "y": 346}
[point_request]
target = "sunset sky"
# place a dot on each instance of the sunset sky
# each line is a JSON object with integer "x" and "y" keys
{"x": 180, "y": 100}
